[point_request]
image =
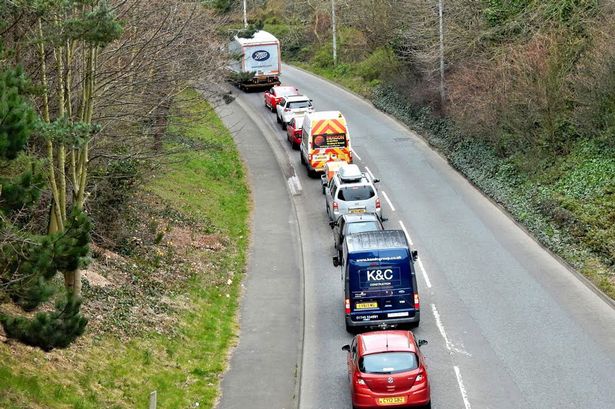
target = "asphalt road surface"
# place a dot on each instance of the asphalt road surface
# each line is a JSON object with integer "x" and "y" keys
{"x": 508, "y": 325}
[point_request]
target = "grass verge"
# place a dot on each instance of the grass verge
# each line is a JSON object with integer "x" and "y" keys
{"x": 164, "y": 319}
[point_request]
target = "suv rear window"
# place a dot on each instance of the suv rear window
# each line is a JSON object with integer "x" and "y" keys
{"x": 388, "y": 362}
{"x": 298, "y": 104}
{"x": 354, "y": 193}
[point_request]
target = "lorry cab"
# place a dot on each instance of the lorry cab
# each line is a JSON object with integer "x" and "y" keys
{"x": 325, "y": 138}
{"x": 380, "y": 286}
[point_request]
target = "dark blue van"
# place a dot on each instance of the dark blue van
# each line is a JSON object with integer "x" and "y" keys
{"x": 379, "y": 280}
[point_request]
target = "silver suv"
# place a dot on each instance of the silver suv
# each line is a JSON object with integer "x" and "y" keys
{"x": 351, "y": 191}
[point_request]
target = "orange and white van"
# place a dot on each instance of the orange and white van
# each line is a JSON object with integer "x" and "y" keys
{"x": 325, "y": 138}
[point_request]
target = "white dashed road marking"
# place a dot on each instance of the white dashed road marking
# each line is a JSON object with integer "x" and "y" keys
{"x": 388, "y": 200}
{"x": 462, "y": 389}
{"x": 370, "y": 172}
{"x": 419, "y": 262}
{"x": 356, "y": 154}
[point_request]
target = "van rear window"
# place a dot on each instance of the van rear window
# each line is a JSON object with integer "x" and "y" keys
{"x": 337, "y": 140}
{"x": 354, "y": 193}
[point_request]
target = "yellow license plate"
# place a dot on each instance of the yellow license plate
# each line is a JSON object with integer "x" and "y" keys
{"x": 357, "y": 210}
{"x": 365, "y": 305}
{"x": 396, "y": 400}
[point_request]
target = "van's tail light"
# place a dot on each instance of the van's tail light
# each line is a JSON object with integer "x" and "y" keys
{"x": 417, "y": 303}
{"x": 309, "y": 157}
{"x": 350, "y": 156}
{"x": 347, "y": 306}
{"x": 378, "y": 203}
{"x": 335, "y": 206}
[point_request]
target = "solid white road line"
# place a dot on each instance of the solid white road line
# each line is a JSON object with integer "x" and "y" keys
{"x": 370, "y": 172}
{"x": 388, "y": 200}
{"x": 356, "y": 154}
{"x": 419, "y": 262}
{"x": 464, "y": 393}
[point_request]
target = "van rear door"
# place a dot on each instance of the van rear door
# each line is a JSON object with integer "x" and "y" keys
{"x": 381, "y": 288}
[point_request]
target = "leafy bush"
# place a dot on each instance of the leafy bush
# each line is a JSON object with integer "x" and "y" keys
{"x": 497, "y": 12}
{"x": 379, "y": 64}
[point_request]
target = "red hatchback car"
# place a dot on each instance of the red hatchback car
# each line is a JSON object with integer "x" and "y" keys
{"x": 293, "y": 131}
{"x": 386, "y": 368}
{"x": 273, "y": 96}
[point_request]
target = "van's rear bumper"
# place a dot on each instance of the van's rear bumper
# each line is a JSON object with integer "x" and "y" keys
{"x": 386, "y": 322}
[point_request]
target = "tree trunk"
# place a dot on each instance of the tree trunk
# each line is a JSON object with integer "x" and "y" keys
{"x": 72, "y": 282}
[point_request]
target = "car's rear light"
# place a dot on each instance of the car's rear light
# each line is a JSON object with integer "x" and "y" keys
{"x": 417, "y": 304}
{"x": 335, "y": 206}
{"x": 378, "y": 203}
{"x": 347, "y": 306}
{"x": 419, "y": 378}
{"x": 360, "y": 381}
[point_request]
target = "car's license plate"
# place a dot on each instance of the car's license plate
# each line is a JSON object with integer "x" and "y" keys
{"x": 357, "y": 210}
{"x": 393, "y": 400}
{"x": 366, "y": 305}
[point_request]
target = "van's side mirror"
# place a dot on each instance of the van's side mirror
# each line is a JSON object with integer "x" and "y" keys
{"x": 332, "y": 224}
{"x": 375, "y": 180}
{"x": 422, "y": 342}
{"x": 336, "y": 261}
{"x": 415, "y": 254}
{"x": 346, "y": 348}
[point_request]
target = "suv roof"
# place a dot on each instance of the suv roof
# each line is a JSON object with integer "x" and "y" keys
{"x": 292, "y": 98}
{"x": 350, "y": 173}
{"x": 374, "y": 240}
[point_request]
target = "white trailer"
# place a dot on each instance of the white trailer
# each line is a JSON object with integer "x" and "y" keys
{"x": 259, "y": 55}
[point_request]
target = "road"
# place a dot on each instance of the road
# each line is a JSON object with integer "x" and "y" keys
{"x": 508, "y": 325}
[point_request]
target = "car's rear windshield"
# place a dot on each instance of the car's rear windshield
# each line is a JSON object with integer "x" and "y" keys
{"x": 337, "y": 140}
{"x": 298, "y": 104}
{"x": 353, "y": 193}
{"x": 360, "y": 227}
{"x": 388, "y": 362}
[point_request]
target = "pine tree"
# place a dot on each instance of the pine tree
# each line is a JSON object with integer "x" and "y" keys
{"x": 29, "y": 262}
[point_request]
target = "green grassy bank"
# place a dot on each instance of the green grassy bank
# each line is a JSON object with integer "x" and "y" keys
{"x": 166, "y": 321}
